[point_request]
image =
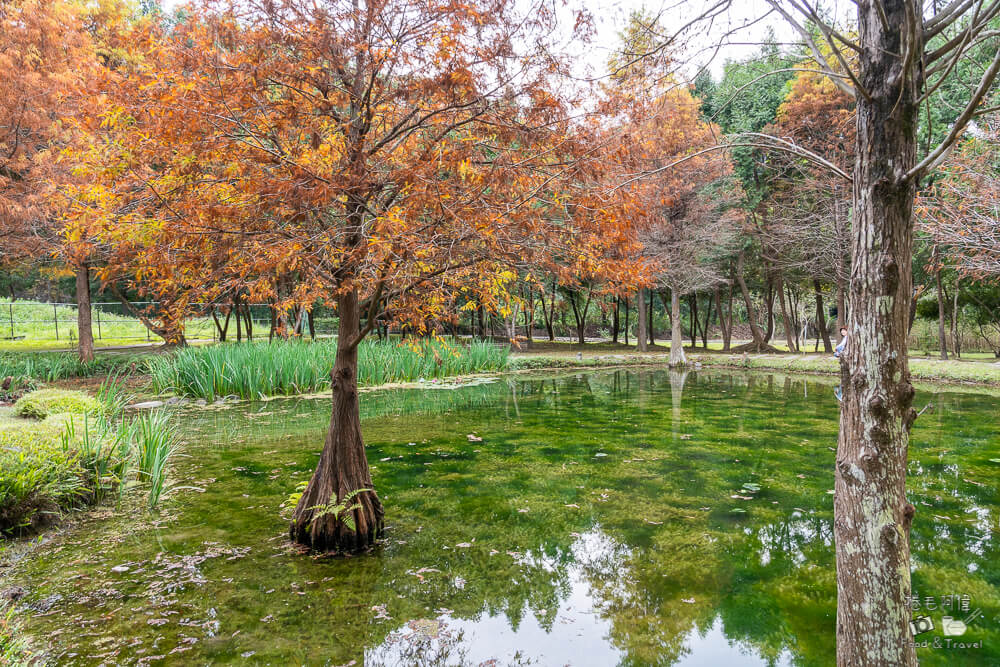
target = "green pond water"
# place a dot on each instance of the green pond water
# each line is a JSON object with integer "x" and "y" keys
{"x": 607, "y": 518}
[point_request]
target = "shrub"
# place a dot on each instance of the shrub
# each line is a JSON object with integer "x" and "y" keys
{"x": 67, "y": 460}
{"x": 38, "y": 477}
{"x": 44, "y": 402}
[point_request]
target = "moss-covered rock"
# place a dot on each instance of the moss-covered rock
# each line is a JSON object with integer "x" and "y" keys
{"x": 44, "y": 402}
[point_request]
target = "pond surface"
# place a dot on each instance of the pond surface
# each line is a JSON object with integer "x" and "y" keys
{"x": 617, "y": 518}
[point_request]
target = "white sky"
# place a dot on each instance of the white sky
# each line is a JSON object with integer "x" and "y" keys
{"x": 610, "y": 17}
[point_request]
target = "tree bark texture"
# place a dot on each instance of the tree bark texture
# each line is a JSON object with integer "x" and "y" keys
{"x": 871, "y": 515}
{"x": 84, "y": 327}
{"x": 343, "y": 465}
{"x": 641, "y": 337}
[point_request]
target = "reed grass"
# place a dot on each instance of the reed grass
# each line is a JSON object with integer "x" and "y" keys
{"x": 153, "y": 440}
{"x": 52, "y": 366}
{"x": 283, "y": 368}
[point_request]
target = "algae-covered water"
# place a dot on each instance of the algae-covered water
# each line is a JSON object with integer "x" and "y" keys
{"x": 610, "y": 518}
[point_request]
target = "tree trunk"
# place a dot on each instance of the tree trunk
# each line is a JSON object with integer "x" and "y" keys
{"x": 758, "y": 336}
{"x": 708, "y": 322}
{"x": 677, "y": 357}
{"x": 955, "y": 341}
{"x": 548, "y": 314}
{"x": 942, "y": 337}
{"x": 725, "y": 325}
{"x": 529, "y": 314}
{"x": 693, "y": 316}
{"x": 615, "y": 324}
{"x": 239, "y": 318}
{"x": 871, "y": 515}
{"x": 641, "y": 339}
{"x": 769, "y": 306}
{"x": 343, "y": 465}
{"x": 84, "y": 328}
{"x": 171, "y": 338}
{"x": 625, "y": 330}
{"x": 841, "y": 304}
{"x": 821, "y": 318}
{"x": 785, "y": 321}
{"x": 649, "y": 322}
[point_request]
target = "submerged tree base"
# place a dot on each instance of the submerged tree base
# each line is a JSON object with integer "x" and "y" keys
{"x": 330, "y": 533}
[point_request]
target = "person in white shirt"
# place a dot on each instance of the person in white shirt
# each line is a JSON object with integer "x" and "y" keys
{"x": 839, "y": 350}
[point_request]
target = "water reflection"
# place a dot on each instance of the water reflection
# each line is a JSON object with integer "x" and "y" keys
{"x": 655, "y": 518}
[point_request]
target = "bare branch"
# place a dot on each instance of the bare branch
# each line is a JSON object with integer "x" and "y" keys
{"x": 937, "y": 156}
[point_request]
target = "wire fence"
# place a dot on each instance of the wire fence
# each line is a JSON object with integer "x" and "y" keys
{"x": 113, "y": 322}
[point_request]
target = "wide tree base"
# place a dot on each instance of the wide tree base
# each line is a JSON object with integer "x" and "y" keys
{"x": 330, "y": 533}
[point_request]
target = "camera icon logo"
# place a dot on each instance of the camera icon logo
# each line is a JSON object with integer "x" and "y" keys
{"x": 922, "y": 624}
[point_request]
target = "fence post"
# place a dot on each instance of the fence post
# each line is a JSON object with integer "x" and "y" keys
{"x": 12, "y": 321}
{"x": 98, "y": 323}
{"x": 55, "y": 319}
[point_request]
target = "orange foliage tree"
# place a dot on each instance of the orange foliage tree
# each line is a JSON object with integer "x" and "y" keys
{"x": 382, "y": 156}
{"x": 46, "y": 55}
{"x": 664, "y": 164}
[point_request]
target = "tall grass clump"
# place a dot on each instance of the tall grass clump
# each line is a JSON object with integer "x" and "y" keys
{"x": 282, "y": 368}
{"x": 152, "y": 440}
{"x": 52, "y": 366}
{"x": 381, "y": 362}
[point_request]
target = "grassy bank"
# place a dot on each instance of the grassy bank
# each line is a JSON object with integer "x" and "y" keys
{"x": 285, "y": 368}
{"x": 61, "y": 450}
{"x": 926, "y": 370}
{"x": 930, "y": 370}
